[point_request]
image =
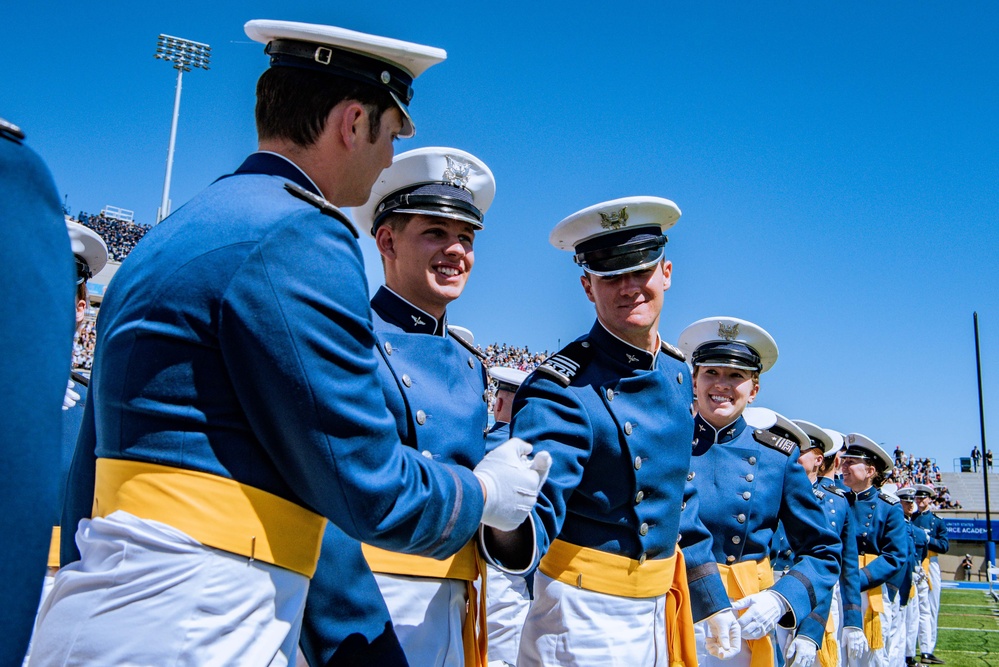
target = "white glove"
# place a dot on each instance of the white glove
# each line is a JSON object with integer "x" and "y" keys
{"x": 71, "y": 397}
{"x": 801, "y": 652}
{"x": 724, "y": 638}
{"x": 511, "y": 482}
{"x": 763, "y": 610}
{"x": 854, "y": 642}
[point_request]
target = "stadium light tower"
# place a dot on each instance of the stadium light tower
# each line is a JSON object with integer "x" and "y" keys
{"x": 185, "y": 56}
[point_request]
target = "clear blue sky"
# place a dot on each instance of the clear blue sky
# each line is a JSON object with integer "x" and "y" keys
{"x": 836, "y": 165}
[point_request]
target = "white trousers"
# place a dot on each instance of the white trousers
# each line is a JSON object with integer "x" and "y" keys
{"x": 741, "y": 659}
{"x": 507, "y": 604}
{"x": 427, "y": 615}
{"x": 923, "y": 626}
{"x": 896, "y": 636}
{"x": 911, "y": 612}
{"x": 47, "y": 584}
{"x": 572, "y": 627}
{"x": 145, "y": 593}
{"x": 875, "y": 657}
{"x": 934, "y": 604}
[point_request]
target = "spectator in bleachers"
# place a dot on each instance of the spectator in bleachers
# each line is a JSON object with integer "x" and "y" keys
{"x": 120, "y": 235}
{"x": 512, "y": 357}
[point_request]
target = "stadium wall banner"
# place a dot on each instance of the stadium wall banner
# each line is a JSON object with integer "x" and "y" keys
{"x": 972, "y": 530}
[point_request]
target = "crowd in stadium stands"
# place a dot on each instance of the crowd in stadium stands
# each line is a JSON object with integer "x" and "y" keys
{"x": 121, "y": 236}
{"x": 910, "y": 469}
{"x": 513, "y": 357}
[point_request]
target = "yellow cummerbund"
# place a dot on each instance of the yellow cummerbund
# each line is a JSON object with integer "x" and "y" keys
{"x": 932, "y": 553}
{"x": 746, "y": 578}
{"x": 55, "y": 546}
{"x": 218, "y": 512}
{"x": 608, "y": 573}
{"x": 463, "y": 565}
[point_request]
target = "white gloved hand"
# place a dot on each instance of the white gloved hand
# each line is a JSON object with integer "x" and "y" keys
{"x": 854, "y": 642}
{"x": 724, "y": 638}
{"x": 763, "y": 610}
{"x": 71, "y": 397}
{"x": 801, "y": 652}
{"x": 511, "y": 482}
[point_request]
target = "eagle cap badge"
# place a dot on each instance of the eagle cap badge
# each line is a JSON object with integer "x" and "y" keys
{"x": 456, "y": 172}
{"x": 728, "y": 331}
{"x": 614, "y": 220}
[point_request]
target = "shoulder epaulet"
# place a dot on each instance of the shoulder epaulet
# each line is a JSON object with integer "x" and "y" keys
{"x": 567, "y": 362}
{"x": 888, "y": 499}
{"x": 324, "y": 206}
{"x": 465, "y": 344}
{"x": 11, "y": 131}
{"x": 773, "y": 441}
{"x": 673, "y": 351}
{"x": 819, "y": 493}
{"x": 835, "y": 490}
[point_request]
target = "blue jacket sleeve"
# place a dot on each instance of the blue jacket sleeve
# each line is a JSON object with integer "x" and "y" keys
{"x": 938, "y": 536}
{"x": 78, "y": 499}
{"x": 892, "y": 541}
{"x": 817, "y": 548}
{"x": 298, "y": 342}
{"x": 707, "y": 592}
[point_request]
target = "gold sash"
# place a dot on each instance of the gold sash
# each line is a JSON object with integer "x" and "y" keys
{"x": 611, "y": 574}
{"x": 875, "y": 607}
{"x": 742, "y": 580}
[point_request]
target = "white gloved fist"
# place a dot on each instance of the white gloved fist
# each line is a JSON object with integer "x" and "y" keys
{"x": 763, "y": 610}
{"x": 724, "y": 638}
{"x": 855, "y": 642}
{"x": 71, "y": 397}
{"x": 511, "y": 482}
{"x": 801, "y": 652}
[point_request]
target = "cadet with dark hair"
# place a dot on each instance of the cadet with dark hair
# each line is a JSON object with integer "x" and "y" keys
{"x": 235, "y": 404}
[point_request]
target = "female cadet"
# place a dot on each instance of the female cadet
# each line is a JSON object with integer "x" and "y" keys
{"x": 881, "y": 541}
{"x": 748, "y": 479}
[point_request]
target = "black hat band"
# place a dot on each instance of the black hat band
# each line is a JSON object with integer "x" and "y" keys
{"x": 617, "y": 253}
{"x": 339, "y": 62}
{"x": 726, "y": 353}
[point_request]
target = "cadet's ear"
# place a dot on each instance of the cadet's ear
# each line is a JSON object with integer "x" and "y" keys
{"x": 385, "y": 240}
{"x": 584, "y": 280}
{"x": 667, "y": 274}
{"x": 353, "y": 124}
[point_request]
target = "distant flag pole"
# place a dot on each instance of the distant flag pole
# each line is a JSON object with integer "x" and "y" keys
{"x": 990, "y": 549}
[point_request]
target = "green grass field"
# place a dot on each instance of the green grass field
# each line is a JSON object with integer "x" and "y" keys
{"x": 968, "y": 634}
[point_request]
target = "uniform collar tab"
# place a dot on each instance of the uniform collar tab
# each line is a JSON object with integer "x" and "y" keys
{"x": 705, "y": 434}
{"x": 275, "y": 164}
{"x": 393, "y": 308}
{"x": 625, "y": 353}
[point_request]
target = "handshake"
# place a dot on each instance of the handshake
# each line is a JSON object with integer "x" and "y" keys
{"x": 511, "y": 483}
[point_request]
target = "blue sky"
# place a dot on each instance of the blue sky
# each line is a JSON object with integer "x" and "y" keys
{"x": 836, "y": 165}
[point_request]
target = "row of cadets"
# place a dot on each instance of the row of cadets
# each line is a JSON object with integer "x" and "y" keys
{"x": 749, "y": 479}
{"x": 508, "y": 594}
{"x": 236, "y": 404}
{"x": 838, "y": 626}
{"x": 936, "y": 532}
{"x": 626, "y": 564}
{"x": 881, "y": 543}
{"x": 916, "y": 585}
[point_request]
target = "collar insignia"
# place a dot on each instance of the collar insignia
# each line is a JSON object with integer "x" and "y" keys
{"x": 456, "y": 173}
{"x": 417, "y": 321}
{"x": 632, "y": 359}
{"x": 614, "y": 220}
{"x": 701, "y": 428}
{"x": 728, "y": 332}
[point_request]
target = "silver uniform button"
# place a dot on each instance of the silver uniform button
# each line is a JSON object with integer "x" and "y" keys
{"x": 679, "y": 378}
{"x": 471, "y": 363}
{"x": 741, "y": 518}
{"x": 610, "y": 394}
{"x": 421, "y": 417}
{"x": 585, "y": 344}
{"x": 639, "y": 497}
{"x": 643, "y": 529}
{"x": 690, "y": 476}
{"x": 388, "y": 347}
{"x": 638, "y": 463}
{"x": 627, "y": 428}
{"x": 752, "y": 460}
{"x": 750, "y": 477}
{"x": 683, "y": 505}
{"x": 832, "y": 511}
{"x": 641, "y": 559}
{"x": 736, "y": 539}
{"x": 427, "y": 454}
{"x": 730, "y": 559}
{"x": 833, "y": 523}
{"x": 746, "y": 495}
{"x": 406, "y": 381}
